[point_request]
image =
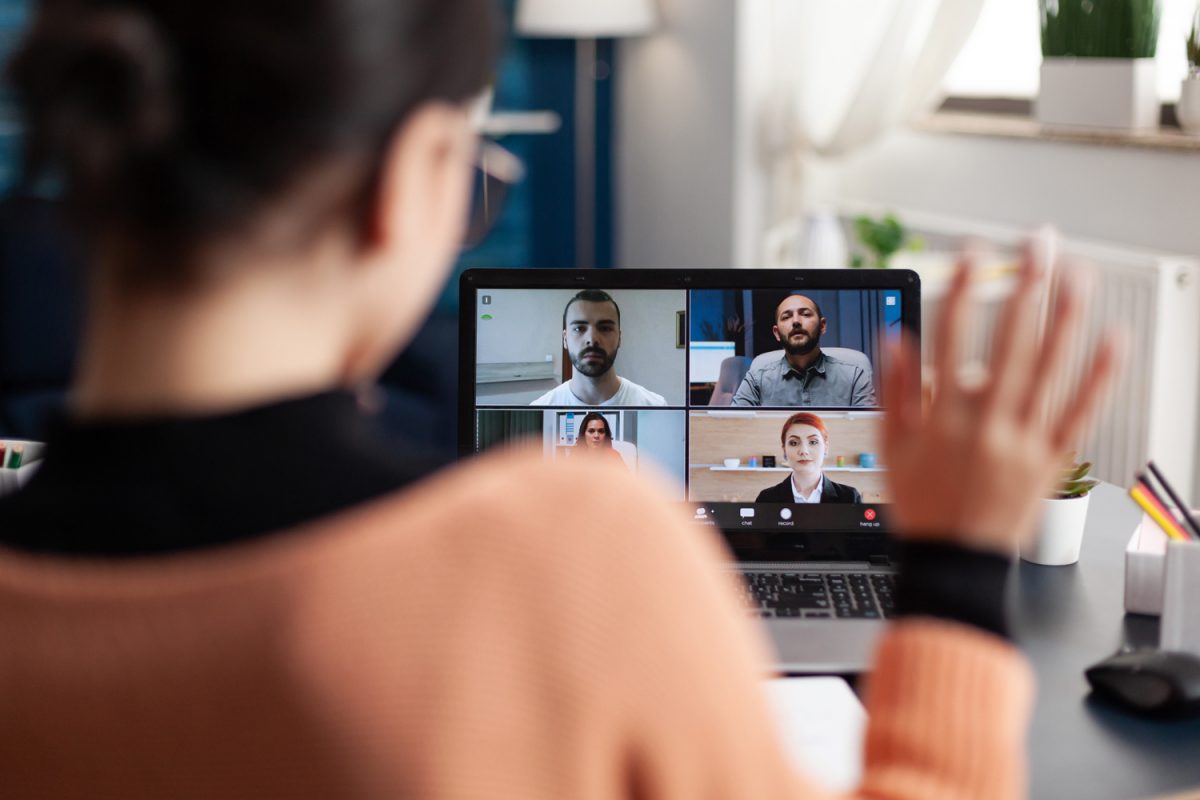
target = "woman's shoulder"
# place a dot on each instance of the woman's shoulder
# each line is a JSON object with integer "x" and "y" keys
{"x": 841, "y": 492}
{"x": 775, "y": 491}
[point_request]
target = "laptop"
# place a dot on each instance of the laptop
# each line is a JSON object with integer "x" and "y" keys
{"x": 758, "y": 391}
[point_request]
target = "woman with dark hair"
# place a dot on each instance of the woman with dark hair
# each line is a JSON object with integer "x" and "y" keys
{"x": 595, "y": 437}
{"x": 805, "y": 443}
{"x": 223, "y": 583}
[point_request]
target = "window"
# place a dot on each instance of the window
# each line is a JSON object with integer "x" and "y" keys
{"x": 1002, "y": 57}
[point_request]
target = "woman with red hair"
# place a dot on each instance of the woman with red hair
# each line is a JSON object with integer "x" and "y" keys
{"x": 805, "y": 442}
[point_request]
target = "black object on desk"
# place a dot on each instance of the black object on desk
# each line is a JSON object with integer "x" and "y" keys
{"x": 1151, "y": 682}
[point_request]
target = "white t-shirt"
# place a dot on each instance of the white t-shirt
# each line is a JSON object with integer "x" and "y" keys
{"x": 630, "y": 394}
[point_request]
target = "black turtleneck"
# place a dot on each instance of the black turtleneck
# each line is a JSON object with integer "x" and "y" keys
{"x": 155, "y": 486}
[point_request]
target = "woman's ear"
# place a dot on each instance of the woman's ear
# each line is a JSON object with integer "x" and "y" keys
{"x": 413, "y": 233}
{"x": 424, "y": 187}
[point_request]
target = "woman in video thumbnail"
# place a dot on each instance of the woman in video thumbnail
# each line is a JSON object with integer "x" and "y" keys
{"x": 595, "y": 436}
{"x": 805, "y": 443}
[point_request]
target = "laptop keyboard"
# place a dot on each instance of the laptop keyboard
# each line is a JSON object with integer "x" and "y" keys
{"x": 815, "y": 595}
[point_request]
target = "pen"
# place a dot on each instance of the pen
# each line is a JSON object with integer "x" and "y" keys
{"x": 1147, "y": 504}
{"x": 1184, "y": 512}
{"x": 3, "y": 453}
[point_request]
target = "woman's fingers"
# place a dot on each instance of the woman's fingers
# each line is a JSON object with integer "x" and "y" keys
{"x": 901, "y": 392}
{"x": 1063, "y": 329}
{"x": 950, "y": 330}
{"x": 1076, "y": 415}
{"x": 1015, "y": 338}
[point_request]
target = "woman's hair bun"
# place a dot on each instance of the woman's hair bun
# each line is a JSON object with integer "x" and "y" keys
{"x": 97, "y": 92}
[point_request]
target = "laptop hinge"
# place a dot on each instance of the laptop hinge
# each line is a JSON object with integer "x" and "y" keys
{"x": 881, "y": 561}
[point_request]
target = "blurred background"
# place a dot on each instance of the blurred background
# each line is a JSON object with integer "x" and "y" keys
{"x": 789, "y": 134}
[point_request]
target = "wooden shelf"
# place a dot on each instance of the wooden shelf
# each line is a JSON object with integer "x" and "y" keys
{"x": 1004, "y": 126}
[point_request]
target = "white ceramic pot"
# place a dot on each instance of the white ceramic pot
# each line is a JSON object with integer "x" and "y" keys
{"x": 823, "y": 244}
{"x": 1188, "y": 107}
{"x": 1058, "y": 540}
{"x": 1115, "y": 93}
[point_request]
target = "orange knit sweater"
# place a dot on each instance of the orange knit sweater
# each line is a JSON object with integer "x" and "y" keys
{"x": 510, "y": 629}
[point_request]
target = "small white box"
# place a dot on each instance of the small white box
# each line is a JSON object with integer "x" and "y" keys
{"x": 1180, "y": 628}
{"x": 1145, "y": 568}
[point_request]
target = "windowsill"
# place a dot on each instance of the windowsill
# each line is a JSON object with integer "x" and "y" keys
{"x": 1008, "y": 126}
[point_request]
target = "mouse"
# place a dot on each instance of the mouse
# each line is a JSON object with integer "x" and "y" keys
{"x": 1150, "y": 682}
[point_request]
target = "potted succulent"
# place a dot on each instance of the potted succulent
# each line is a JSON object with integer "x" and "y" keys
{"x": 1098, "y": 64}
{"x": 1188, "y": 108}
{"x": 1063, "y": 516}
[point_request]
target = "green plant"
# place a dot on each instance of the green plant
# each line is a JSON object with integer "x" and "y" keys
{"x": 1193, "y": 43}
{"x": 882, "y": 238}
{"x": 1099, "y": 28}
{"x": 1074, "y": 482}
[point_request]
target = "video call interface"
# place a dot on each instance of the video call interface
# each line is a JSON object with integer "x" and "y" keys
{"x": 763, "y": 407}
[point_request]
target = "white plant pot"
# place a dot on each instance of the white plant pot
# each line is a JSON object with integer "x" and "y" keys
{"x": 1058, "y": 541}
{"x": 1188, "y": 108}
{"x": 823, "y": 244}
{"x": 1115, "y": 93}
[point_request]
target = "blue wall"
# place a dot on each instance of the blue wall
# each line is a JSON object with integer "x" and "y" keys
{"x": 14, "y": 16}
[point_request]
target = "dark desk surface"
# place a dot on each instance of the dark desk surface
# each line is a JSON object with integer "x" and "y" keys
{"x": 1067, "y": 618}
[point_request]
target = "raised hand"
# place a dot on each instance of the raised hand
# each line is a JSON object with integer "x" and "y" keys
{"x": 973, "y": 468}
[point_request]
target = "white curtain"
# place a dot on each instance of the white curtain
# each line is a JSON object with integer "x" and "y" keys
{"x": 845, "y": 73}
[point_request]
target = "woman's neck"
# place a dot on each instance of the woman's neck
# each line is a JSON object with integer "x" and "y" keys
{"x": 241, "y": 342}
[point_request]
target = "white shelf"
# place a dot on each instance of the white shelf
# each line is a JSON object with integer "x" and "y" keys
{"x": 506, "y": 123}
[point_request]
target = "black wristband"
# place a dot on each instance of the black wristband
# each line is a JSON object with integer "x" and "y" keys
{"x": 948, "y": 581}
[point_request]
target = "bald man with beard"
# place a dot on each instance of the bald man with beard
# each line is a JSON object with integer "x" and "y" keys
{"x": 804, "y": 375}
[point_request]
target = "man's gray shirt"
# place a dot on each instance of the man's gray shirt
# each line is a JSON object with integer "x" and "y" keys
{"x": 829, "y": 381}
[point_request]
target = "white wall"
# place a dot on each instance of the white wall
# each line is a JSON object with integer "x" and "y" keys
{"x": 674, "y": 139}
{"x": 661, "y": 440}
{"x": 1121, "y": 195}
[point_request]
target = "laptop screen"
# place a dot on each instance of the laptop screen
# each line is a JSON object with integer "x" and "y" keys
{"x": 758, "y": 393}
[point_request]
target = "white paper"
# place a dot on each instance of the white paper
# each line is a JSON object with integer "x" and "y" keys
{"x": 822, "y": 724}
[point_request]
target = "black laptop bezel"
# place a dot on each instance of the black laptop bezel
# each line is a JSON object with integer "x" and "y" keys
{"x": 753, "y": 544}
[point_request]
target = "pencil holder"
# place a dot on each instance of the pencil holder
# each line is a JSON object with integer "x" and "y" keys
{"x": 1180, "y": 628}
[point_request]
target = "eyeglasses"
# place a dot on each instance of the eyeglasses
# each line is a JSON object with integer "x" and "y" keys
{"x": 496, "y": 171}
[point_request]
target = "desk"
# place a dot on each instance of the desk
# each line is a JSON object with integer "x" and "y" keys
{"x": 1066, "y": 618}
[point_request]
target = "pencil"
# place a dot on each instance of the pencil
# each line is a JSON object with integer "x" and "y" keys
{"x": 1184, "y": 512}
{"x": 1168, "y": 526}
{"x": 1157, "y": 500}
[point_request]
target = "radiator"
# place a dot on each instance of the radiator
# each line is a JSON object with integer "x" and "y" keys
{"x": 1153, "y": 411}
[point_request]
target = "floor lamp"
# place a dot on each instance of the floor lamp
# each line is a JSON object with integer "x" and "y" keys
{"x": 585, "y": 21}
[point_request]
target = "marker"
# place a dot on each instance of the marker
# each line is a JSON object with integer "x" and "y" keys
{"x": 3, "y": 452}
{"x": 1193, "y": 528}
{"x": 14, "y": 460}
{"x": 1169, "y": 526}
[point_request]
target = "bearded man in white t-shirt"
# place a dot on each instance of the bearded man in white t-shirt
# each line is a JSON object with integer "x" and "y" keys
{"x": 592, "y": 337}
